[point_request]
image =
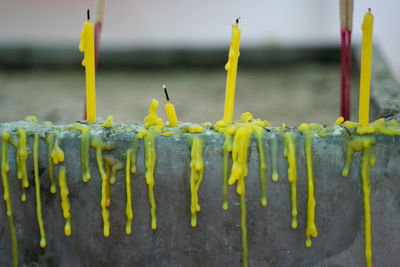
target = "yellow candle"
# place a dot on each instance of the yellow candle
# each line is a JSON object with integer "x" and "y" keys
{"x": 170, "y": 110}
{"x": 365, "y": 79}
{"x": 87, "y": 47}
{"x": 231, "y": 68}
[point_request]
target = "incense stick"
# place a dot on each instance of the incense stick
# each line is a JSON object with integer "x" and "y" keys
{"x": 97, "y": 28}
{"x": 346, "y": 25}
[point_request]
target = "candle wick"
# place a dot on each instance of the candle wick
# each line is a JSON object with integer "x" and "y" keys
{"x": 369, "y": 10}
{"x": 165, "y": 91}
{"x": 88, "y": 14}
{"x": 237, "y": 21}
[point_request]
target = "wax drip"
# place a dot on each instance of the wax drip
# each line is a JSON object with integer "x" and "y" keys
{"x": 196, "y": 177}
{"x": 62, "y": 180}
{"x": 100, "y": 146}
{"x": 289, "y": 151}
{"x": 37, "y": 187}
{"x": 366, "y": 145}
{"x": 7, "y": 197}
{"x": 85, "y": 146}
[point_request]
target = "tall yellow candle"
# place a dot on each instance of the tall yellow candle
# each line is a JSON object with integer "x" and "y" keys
{"x": 170, "y": 110}
{"x": 87, "y": 47}
{"x": 365, "y": 80}
{"x": 231, "y": 68}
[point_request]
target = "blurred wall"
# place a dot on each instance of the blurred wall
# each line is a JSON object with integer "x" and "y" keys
{"x": 186, "y": 23}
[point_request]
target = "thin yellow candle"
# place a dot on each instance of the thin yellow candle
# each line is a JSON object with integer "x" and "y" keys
{"x": 87, "y": 47}
{"x": 365, "y": 80}
{"x": 170, "y": 110}
{"x": 231, "y": 68}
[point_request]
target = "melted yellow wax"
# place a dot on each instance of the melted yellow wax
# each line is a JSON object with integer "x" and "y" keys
{"x": 225, "y": 169}
{"x": 31, "y": 118}
{"x": 21, "y": 157}
{"x": 196, "y": 177}
{"x": 4, "y": 173}
{"x": 289, "y": 151}
{"x": 263, "y": 166}
{"x": 130, "y": 168}
{"x": 368, "y": 159}
{"x": 242, "y": 131}
{"x": 85, "y": 145}
{"x": 50, "y": 142}
{"x": 274, "y": 158}
{"x": 154, "y": 125}
{"x": 109, "y": 122}
{"x": 100, "y": 146}
{"x": 62, "y": 180}
{"x": 309, "y": 130}
{"x": 37, "y": 185}
{"x": 128, "y": 209}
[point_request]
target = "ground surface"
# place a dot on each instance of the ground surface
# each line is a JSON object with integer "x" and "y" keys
{"x": 287, "y": 93}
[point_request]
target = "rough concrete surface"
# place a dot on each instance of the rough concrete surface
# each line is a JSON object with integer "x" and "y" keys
{"x": 216, "y": 241}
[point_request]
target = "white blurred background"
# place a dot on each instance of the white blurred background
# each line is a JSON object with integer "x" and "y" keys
{"x": 185, "y": 23}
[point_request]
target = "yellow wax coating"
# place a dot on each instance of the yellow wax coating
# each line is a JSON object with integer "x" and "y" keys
{"x": 50, "y": 141}
{"x": 22, "y": 152}
{"x": 62, "y": 181}
{"x": 243, "y": 227}
{"x": 263, "y": 166}
{"x": 231, "y": 68}
{"x": 85, "y": 146}
{"x": 364, "y": 144}
{"x": 152, "y": 120}
{"x": 365, "y": 78}
{"x": 128, "y": 209}
{"x": 154, "y": 125}
{"x": 21, "y": 157}
{"x": 109, "y": 122}
{"x": 87, "y": 47}
{"x": 167, "y": 134}
{"x": 225, "y": 169}
{"x": 339, "y": 121}
{"x": 115, "y": 165}
{"x": 171, "y": 114}
{"x": 31, "y": 118}
{"x": 133, "y": 152}
{"x": 196, "y": 177}
{"x": 289, "y": 152}
{"x": 240, "y": 149}
{"x": 309, "y": 130}
{"x": 242, "y": 131}
{"x": 57, "y": 155}
{"x": 274, "y": 158}
{"x": 100, "y": 146}
{"x": 150, "y": 162}
{"x": 37, "y": 187}
{"x": 194, "y": 129}
{"x": 4, "y": 174}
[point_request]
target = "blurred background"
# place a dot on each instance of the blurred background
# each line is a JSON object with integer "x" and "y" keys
{"x": 302, "y": 88}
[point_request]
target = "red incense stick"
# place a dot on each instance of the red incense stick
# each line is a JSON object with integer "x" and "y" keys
{"x": 346, "y": 19}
